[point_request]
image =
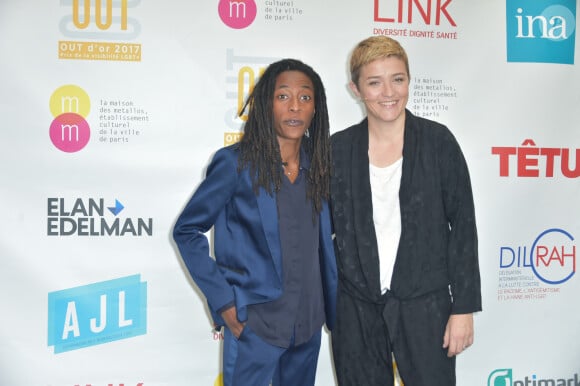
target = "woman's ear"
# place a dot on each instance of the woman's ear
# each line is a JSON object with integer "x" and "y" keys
{"x": 354, "y": 89}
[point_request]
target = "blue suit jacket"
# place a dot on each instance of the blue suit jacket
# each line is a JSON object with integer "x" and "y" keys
{"x": 247, "y": 268}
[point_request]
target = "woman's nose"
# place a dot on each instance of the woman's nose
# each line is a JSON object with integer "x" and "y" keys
{"x": 294, "y": 104}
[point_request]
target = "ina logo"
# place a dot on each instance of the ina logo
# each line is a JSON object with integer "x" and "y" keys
{"x": 69, "y": 131}
{"x": 500, "y": 377}
{"x": 541, "y": 31}
{"x": 237, "y": 14}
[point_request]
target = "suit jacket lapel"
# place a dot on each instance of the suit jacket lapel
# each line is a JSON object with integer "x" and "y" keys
{"x": 269, "y": 216}
{"x": 363, "y": 211}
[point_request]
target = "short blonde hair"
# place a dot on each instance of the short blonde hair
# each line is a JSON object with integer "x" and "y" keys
{"x": 373, "y": 48}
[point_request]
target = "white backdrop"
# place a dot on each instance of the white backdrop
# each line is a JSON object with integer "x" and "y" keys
{"x": 109, "y": 119}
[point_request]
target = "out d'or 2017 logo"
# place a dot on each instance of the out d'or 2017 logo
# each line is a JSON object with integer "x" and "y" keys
{"x": 541, "y": 31}
{"x": 97, "y": 313}
{"x": 108, "y": 21}
{"x": 69, "y": 131}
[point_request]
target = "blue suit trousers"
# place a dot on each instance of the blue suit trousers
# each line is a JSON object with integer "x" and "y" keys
{"x": 250, "y": 361}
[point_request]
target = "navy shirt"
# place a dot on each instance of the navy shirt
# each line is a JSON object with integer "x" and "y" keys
{"x": 299, "y": 312}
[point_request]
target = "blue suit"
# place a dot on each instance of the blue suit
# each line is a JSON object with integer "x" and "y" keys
{"x": 248, "y": 261}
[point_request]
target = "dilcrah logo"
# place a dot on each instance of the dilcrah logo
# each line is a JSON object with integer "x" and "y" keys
{"x": 86, "y": 217}
{"x": 97, "y": 313}
{"x": 541, "y": 31}
{"x": 69, "y": 131}
{"x": 552, "y": 256}
{"x": 538, "y": 270}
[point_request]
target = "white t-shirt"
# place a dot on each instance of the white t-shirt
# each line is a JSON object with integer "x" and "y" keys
{"x": 385, "y": 184}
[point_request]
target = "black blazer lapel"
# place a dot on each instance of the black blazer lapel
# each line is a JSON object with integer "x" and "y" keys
{"x": 363, "y": 211}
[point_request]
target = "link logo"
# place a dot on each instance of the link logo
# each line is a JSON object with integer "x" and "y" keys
{"x": 429, "y": 14}
{"x": 542, "y": 31}
{"x": 69, "y": 131}
{"x": 97, "y": 313}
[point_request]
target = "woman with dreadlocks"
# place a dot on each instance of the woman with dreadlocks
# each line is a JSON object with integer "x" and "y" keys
{"x": 272, "y": 281}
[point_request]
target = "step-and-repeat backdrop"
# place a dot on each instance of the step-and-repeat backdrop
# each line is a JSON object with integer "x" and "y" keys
{"x": 111, "y": 109}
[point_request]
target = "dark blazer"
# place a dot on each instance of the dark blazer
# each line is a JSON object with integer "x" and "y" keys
{"x": 247, "y": 268}
{"x": 438, "y": 245}
{"x": 436, "y": 268}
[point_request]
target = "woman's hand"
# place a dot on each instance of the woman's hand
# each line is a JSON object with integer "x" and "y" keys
{"x": 458, "y": 334}
{"x": 230, "y": 316}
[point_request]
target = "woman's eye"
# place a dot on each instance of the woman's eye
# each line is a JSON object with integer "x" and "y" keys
{"x": 281, "y": 96}
{"x": 306, "y": 97}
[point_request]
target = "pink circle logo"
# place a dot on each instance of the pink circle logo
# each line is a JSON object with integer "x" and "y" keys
{"x": 237, "y": 14}
{"x": 69, "y": 132}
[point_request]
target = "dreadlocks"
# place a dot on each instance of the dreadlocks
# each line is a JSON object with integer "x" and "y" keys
{"x": 259, "y": 149}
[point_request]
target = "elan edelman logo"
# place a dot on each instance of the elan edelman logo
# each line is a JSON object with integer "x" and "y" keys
{"x": 97, "y": 313}
{"x": 541, "y": 31}
{"x": 92, "y": 217}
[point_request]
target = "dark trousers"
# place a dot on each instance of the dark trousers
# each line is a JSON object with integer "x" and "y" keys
{"x": 362, "y": 347}
{"x": 250, "y": 361}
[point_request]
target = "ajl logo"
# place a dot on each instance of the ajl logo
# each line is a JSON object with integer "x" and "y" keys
{"x": 504, "y": 377}
{"x": 237, "y": 14}
{"x": 541, "y": 31}
{"x": 552, "y": 256}
{"x": 69, "y": 131}
{"x": 97, "y": 313}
